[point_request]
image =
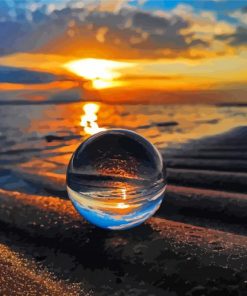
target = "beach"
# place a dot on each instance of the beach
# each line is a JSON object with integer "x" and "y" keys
{"x": 171, "y": 75}
{"x": 196, "y": 243}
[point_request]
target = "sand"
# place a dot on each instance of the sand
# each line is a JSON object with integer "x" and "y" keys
{"x": 196, "y": 244}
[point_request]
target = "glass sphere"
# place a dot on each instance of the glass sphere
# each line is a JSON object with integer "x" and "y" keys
{"x": 116, "y": 179}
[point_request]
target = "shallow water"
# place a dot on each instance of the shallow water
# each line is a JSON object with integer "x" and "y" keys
{"x": 49, "y": 127}
{"x": 45, "y": 135}
{"x": 41, "y": 138}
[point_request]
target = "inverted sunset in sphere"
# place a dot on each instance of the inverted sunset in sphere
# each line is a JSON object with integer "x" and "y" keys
{"x": 116, "y": 179}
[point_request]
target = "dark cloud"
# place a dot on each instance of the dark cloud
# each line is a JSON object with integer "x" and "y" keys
{"x": 162, "y": 33}
{"x": 149, "y": 23}
{"x": 238, "y": 38}
{"x": 196, "y": 42}
{"x": 127, "y": 33}
{"x": 244, "y": 9}
{"x": 17, "y": 75}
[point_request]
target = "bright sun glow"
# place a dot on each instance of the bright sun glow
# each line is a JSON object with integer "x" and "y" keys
{"x": 101, "y": 72}
{"x": 101, "y": 83}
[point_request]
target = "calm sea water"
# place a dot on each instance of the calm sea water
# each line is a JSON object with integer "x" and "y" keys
{"x": 41, "y": 138}
{"x": 41, "y": 126}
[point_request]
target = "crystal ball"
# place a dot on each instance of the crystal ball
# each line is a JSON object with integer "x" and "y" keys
{"x": 116, "y": 179}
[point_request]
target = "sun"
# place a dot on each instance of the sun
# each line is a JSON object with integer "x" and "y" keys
{"x": 101, "y": 72}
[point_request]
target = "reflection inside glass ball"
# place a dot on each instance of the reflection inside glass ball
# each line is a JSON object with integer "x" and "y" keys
{"x": 116, "y": 179}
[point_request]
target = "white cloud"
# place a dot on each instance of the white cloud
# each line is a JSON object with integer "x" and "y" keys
{"x": 240, "y": 15}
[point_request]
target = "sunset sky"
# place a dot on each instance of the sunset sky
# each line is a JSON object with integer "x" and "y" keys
{"x": 144, "y": 50}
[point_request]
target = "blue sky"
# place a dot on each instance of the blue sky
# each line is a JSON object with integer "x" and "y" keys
{"x": 198, "y": 4}
{"x": 221, "y": 7}
{"x": 214, "y": 5}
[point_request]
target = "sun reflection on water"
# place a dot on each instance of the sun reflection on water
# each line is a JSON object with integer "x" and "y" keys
{"x": 122, "y": 205}
{"x": 89, "y": 119}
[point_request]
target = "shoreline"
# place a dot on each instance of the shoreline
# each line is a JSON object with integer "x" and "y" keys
{"x": 200, "y": 227}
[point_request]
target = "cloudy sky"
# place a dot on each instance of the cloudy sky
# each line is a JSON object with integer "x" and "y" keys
{"x": 167, "y": 45}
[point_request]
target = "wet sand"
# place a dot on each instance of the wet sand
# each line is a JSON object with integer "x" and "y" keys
{"x": 195, "y": 245}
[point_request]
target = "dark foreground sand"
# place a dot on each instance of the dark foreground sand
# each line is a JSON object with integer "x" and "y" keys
{"x": 195, "y": 245}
